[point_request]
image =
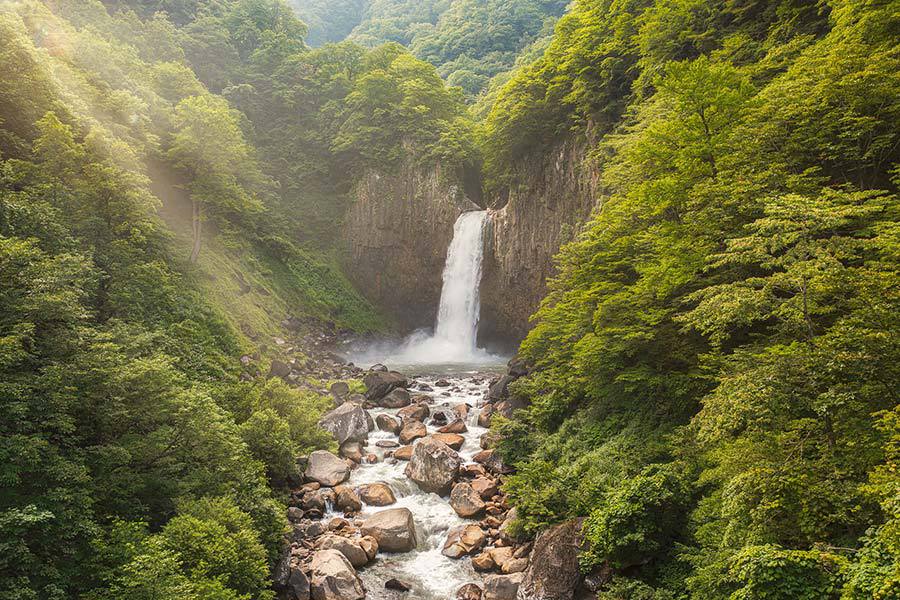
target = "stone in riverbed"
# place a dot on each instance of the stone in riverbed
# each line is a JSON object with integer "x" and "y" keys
{"x": 492, "y": 462}
{"x": 404, "y": 453}
{"x": 434, "y": 466}
{"x": 466, "y": 501}
{"x": 369, "y": 546}
{"x": 453, "y": 440}
{"x": 346, "y": 500}
{"x": 393, "y": 529}
{"x": 352, "y": 450}
{"x": 397, "y": 585}
{"x": 352, "y": 551}
{"x": 414, "y": 412}
{"x": 380, "y": 383}
{"x": 457, "y": 426}
{"x": 485, "y": 487}
{"x": 463, "y": 540}
{"x": 483, "y": 562}
{"x": 347, "y": 422}
{"x": 326, "y": 469}
{"x": 502, "y": 587}
{"x": 386, "y": 422}
{"x": 515, "y": 565}
{"x": 333, "y": 577}
{"x": 398, "y": 398}
{"x": 412, "y": 431}
{"x": 376, "y": 494}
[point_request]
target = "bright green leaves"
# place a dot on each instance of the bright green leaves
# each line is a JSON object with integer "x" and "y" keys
{"x": 806, "y": 259}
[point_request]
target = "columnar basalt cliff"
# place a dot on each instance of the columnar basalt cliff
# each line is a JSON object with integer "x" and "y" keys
{"x": 553, "y": 195}
{"x": 397, "y": 231}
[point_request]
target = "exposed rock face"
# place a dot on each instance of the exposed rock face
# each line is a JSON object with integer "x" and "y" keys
{"x": 434, "y": 466}
{"x": 397, "y": 232}
{"x": 347, "y": 422}
{"x": 553, "y": 571}
{"x": 333, "y": 577}
{"x": 393, "y": 529}
{"x": 326, "y": 468}
{"x": 554, "y": 193}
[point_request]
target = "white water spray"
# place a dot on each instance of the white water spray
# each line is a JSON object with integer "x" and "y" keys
{"x": 456, "y": 330}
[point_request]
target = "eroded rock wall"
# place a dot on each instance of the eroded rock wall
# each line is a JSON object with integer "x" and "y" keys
{"x": 396, "y": 233}
{"x": 554, "y": 194}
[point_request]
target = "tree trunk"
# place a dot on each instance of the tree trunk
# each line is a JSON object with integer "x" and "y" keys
{"x": 196, "y": 229}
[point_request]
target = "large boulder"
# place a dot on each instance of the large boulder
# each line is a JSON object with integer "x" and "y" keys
{"x": 347, "y": 500}
{"x": 492, "y": 461}
{"x": 502, "y": 587}
{"x": 326, "y": 468}
{"x": 351, "y": 550}
{"x": 376, "y": 494}
{"x": 333, "y": 577}
{"x": 470, "y": 591}
{"x": 347, "y": 422}
{"x": 398, "y": 398}
{"x": 380, "y": 383}
{"x": 414, "y": 412}
{"x": 393, "y": 529}
{"x": 466, "y": 501}
{"x": 553, "y": 572}
{"x": 454, "y": 440}
{"x": 434, "y": 466}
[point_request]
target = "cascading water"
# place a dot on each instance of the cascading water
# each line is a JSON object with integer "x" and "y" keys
{"x": 456, "y": 330}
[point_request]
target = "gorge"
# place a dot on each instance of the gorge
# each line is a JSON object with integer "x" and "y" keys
{"x": 449, "y": 299}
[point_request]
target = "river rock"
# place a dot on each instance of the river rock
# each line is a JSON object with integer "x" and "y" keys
{"x": 347, "y": 422}
{"x": 500, "y": 390}
{"x": 501, "y": 555}
{"x": 352, "y": 451}
{"x": 457, "y": 426}
{"x": 502, "y": 587}
{"x": 398, "y": 398}
{"x": 483, "y": 562}
{"x": 376, "y": 494}
{"x": 380, "y": 383}
{"x": 369, "y": 546}
{"x": 333, "y": 577}
{"x": 453, "y": 440}
{"x": 352, "y": 551}
{"x": 345, "y": 499}
{"x": 486, "y": 488}
{"x": 553, "y": 572}
{"x": 326, "y": 468}
{"x": 393, "y": 529}
{"x": 434, "y": 466}
{"x": 508, "y": 528}
{"x": 414, "y": 412}
{"x": 412, "y": 431}
{"x": 463, "y": 540}
{"x": 317, "y": 499}
{"x": 509, "y": 406}
{"x": 484, "y": 417}
{"x": 397, "y": 585}
{"x": 386, "y": 422}
{"x": 404, "y": 453}
{"x": 466, "y": 501}
{"x": 470, "y": 591}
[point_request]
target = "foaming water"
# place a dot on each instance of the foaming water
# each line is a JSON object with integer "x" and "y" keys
{"x": 432, "y": 575}
{"x": 454, "y": 340}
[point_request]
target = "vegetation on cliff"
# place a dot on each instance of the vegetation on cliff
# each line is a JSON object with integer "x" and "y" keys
{"x": 716, "y": 365}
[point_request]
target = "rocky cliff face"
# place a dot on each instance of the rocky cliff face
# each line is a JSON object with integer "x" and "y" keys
{"x": 397, "y": 232}
{"x": 553, "y": 196}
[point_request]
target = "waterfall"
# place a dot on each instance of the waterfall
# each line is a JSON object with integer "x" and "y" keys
{"x": 456, "y": 329}
{"x": 457, "y": 320}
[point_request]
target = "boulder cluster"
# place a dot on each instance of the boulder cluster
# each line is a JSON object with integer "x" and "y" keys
{"x": 323, "y": 554}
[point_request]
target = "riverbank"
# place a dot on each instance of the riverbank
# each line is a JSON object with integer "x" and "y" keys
{"x": 411, "y": 503}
